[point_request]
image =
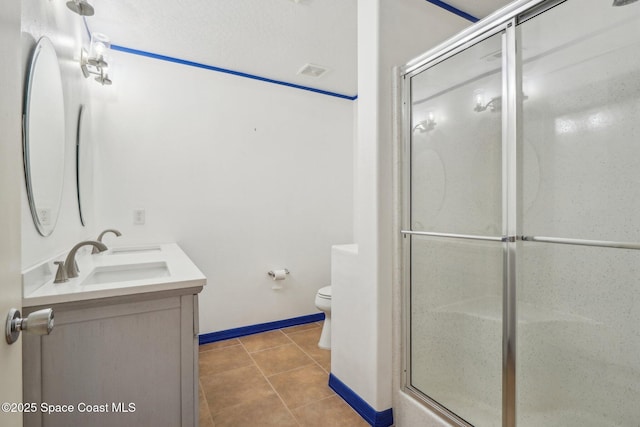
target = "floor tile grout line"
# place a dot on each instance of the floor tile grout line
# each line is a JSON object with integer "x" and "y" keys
{"x": 206, "y": 401}
{"x": 200, "y": 375}
{"x": 272, "y": 387}
{"x": 311, "y": 357}
{"x": 219, "y": 348}
{"x": 317, "y": 400}
{"x": 290, "y": 370}
{"x": 283, "y": 402}
{"x": 238, "y": 339}
{"x": 268, "y": 348}
{"x": 333, "y": 393}
{"x": 315, "y": 361}
{"x": 271, "y": 348}
{"x": 254, "y": 363}
{"x": 301, "y": 330}
{"x": 217, "y": 372}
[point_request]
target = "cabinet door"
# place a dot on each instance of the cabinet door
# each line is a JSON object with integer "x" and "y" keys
{"x": 119, "y": 365}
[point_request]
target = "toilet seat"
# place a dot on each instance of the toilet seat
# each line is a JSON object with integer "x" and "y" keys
{"x": 325, "y": 292}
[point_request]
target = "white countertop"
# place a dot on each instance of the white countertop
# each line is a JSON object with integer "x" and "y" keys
{"x": 39, "y": 288}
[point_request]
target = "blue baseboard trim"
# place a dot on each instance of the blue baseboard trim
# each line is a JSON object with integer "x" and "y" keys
{"x": 366, "y": 411}
{"x": 454, "y": 10}
{"x": 254, "y": 329}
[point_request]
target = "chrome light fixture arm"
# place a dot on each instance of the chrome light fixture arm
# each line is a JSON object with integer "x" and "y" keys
{"x": 95, "y": 66}
{"x": 94, "y": 62}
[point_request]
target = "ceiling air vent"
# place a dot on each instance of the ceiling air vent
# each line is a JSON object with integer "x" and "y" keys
{"x": 312, "y": 70}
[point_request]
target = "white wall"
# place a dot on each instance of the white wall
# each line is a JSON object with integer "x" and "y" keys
{"x": 245, "y": 176}
{"x": 408, "y": 28}
{"x": 417, "y": 27}
{"x": 66, "y": 31}
{"x": 389, "y": 34}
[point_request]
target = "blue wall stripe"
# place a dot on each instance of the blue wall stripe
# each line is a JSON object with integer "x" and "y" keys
{"x": 454, "y": 10}
{"x": 366, "y": 411}
{"x": 228, "y": 71}
{"x": 262, "y": 327}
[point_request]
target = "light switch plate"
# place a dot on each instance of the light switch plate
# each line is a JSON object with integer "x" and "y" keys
{"x": 139, "y": 216}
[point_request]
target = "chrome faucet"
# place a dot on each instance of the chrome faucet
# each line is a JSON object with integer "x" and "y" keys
{"x": 70, "y": 263}
{"x": 110, "y": 230}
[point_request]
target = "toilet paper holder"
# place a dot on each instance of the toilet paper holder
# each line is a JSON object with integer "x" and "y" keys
{"x": 272, "y": 274}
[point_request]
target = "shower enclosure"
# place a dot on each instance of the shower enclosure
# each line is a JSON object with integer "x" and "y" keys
{"x": 521, "y": 218}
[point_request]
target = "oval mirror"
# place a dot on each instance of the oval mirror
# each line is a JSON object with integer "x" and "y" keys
{"x": 44, "y": 136}
{"x": 84, "y": 165}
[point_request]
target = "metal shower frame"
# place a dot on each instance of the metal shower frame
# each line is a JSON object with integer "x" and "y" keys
{"x": 503, "y": 21}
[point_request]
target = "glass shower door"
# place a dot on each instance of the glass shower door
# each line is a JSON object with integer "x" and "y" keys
{"x": 456, "y": 227}
{"x": 578, "y": 303}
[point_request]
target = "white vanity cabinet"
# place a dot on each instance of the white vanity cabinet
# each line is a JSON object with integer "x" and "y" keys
{"x": 117, "y": 361}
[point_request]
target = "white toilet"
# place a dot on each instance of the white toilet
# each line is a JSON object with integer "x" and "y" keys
{"x": 323, "y": 302}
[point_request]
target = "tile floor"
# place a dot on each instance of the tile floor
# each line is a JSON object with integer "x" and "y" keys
{"x": 277, "y": 378}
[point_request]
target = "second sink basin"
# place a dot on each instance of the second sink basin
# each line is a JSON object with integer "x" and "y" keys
{"x": 127, "y": 272}
{"x": 135, "y": 250}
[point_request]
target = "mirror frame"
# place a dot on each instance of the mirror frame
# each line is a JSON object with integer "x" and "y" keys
{"x": 78, "y": 137}
{"x": 43, "y": 230}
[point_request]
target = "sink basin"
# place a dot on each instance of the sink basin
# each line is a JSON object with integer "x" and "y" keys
{"x": 144, "y": 268}
{"x": 126, "y": 273}
{"x": 135, "y": 250}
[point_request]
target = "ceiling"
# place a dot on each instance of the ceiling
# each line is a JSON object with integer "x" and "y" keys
{"x": 268, "y": 38}
{"x": 478, "y": 8}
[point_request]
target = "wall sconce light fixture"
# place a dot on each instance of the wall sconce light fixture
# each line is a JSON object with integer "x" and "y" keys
{"x": 494, "y": 104}
{"x": 94, "y": 62}
{"x": 426, "y": 125}
{"x": 81, "y": 7}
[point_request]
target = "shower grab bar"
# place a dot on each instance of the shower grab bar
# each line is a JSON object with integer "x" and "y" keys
{"x": 455, "y": 236}
{"x": 582, "y": 242}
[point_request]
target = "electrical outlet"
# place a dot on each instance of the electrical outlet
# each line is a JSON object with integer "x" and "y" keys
{"x": 44, "y": 216}
{"x": 138, "y": 216}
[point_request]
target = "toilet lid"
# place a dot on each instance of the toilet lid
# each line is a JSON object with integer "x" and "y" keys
{"x": 325, "y": 292}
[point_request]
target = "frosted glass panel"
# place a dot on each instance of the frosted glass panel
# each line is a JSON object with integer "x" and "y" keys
{"x": 456, "y": 143}
{"x": 578, "y": 308}
{"x": 456, "y": 326}
{"x": 581, "y": 79}
{"x": 578, "y": 336}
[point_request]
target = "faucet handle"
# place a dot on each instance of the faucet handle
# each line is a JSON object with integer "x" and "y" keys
{"x": 61, "y": 273}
